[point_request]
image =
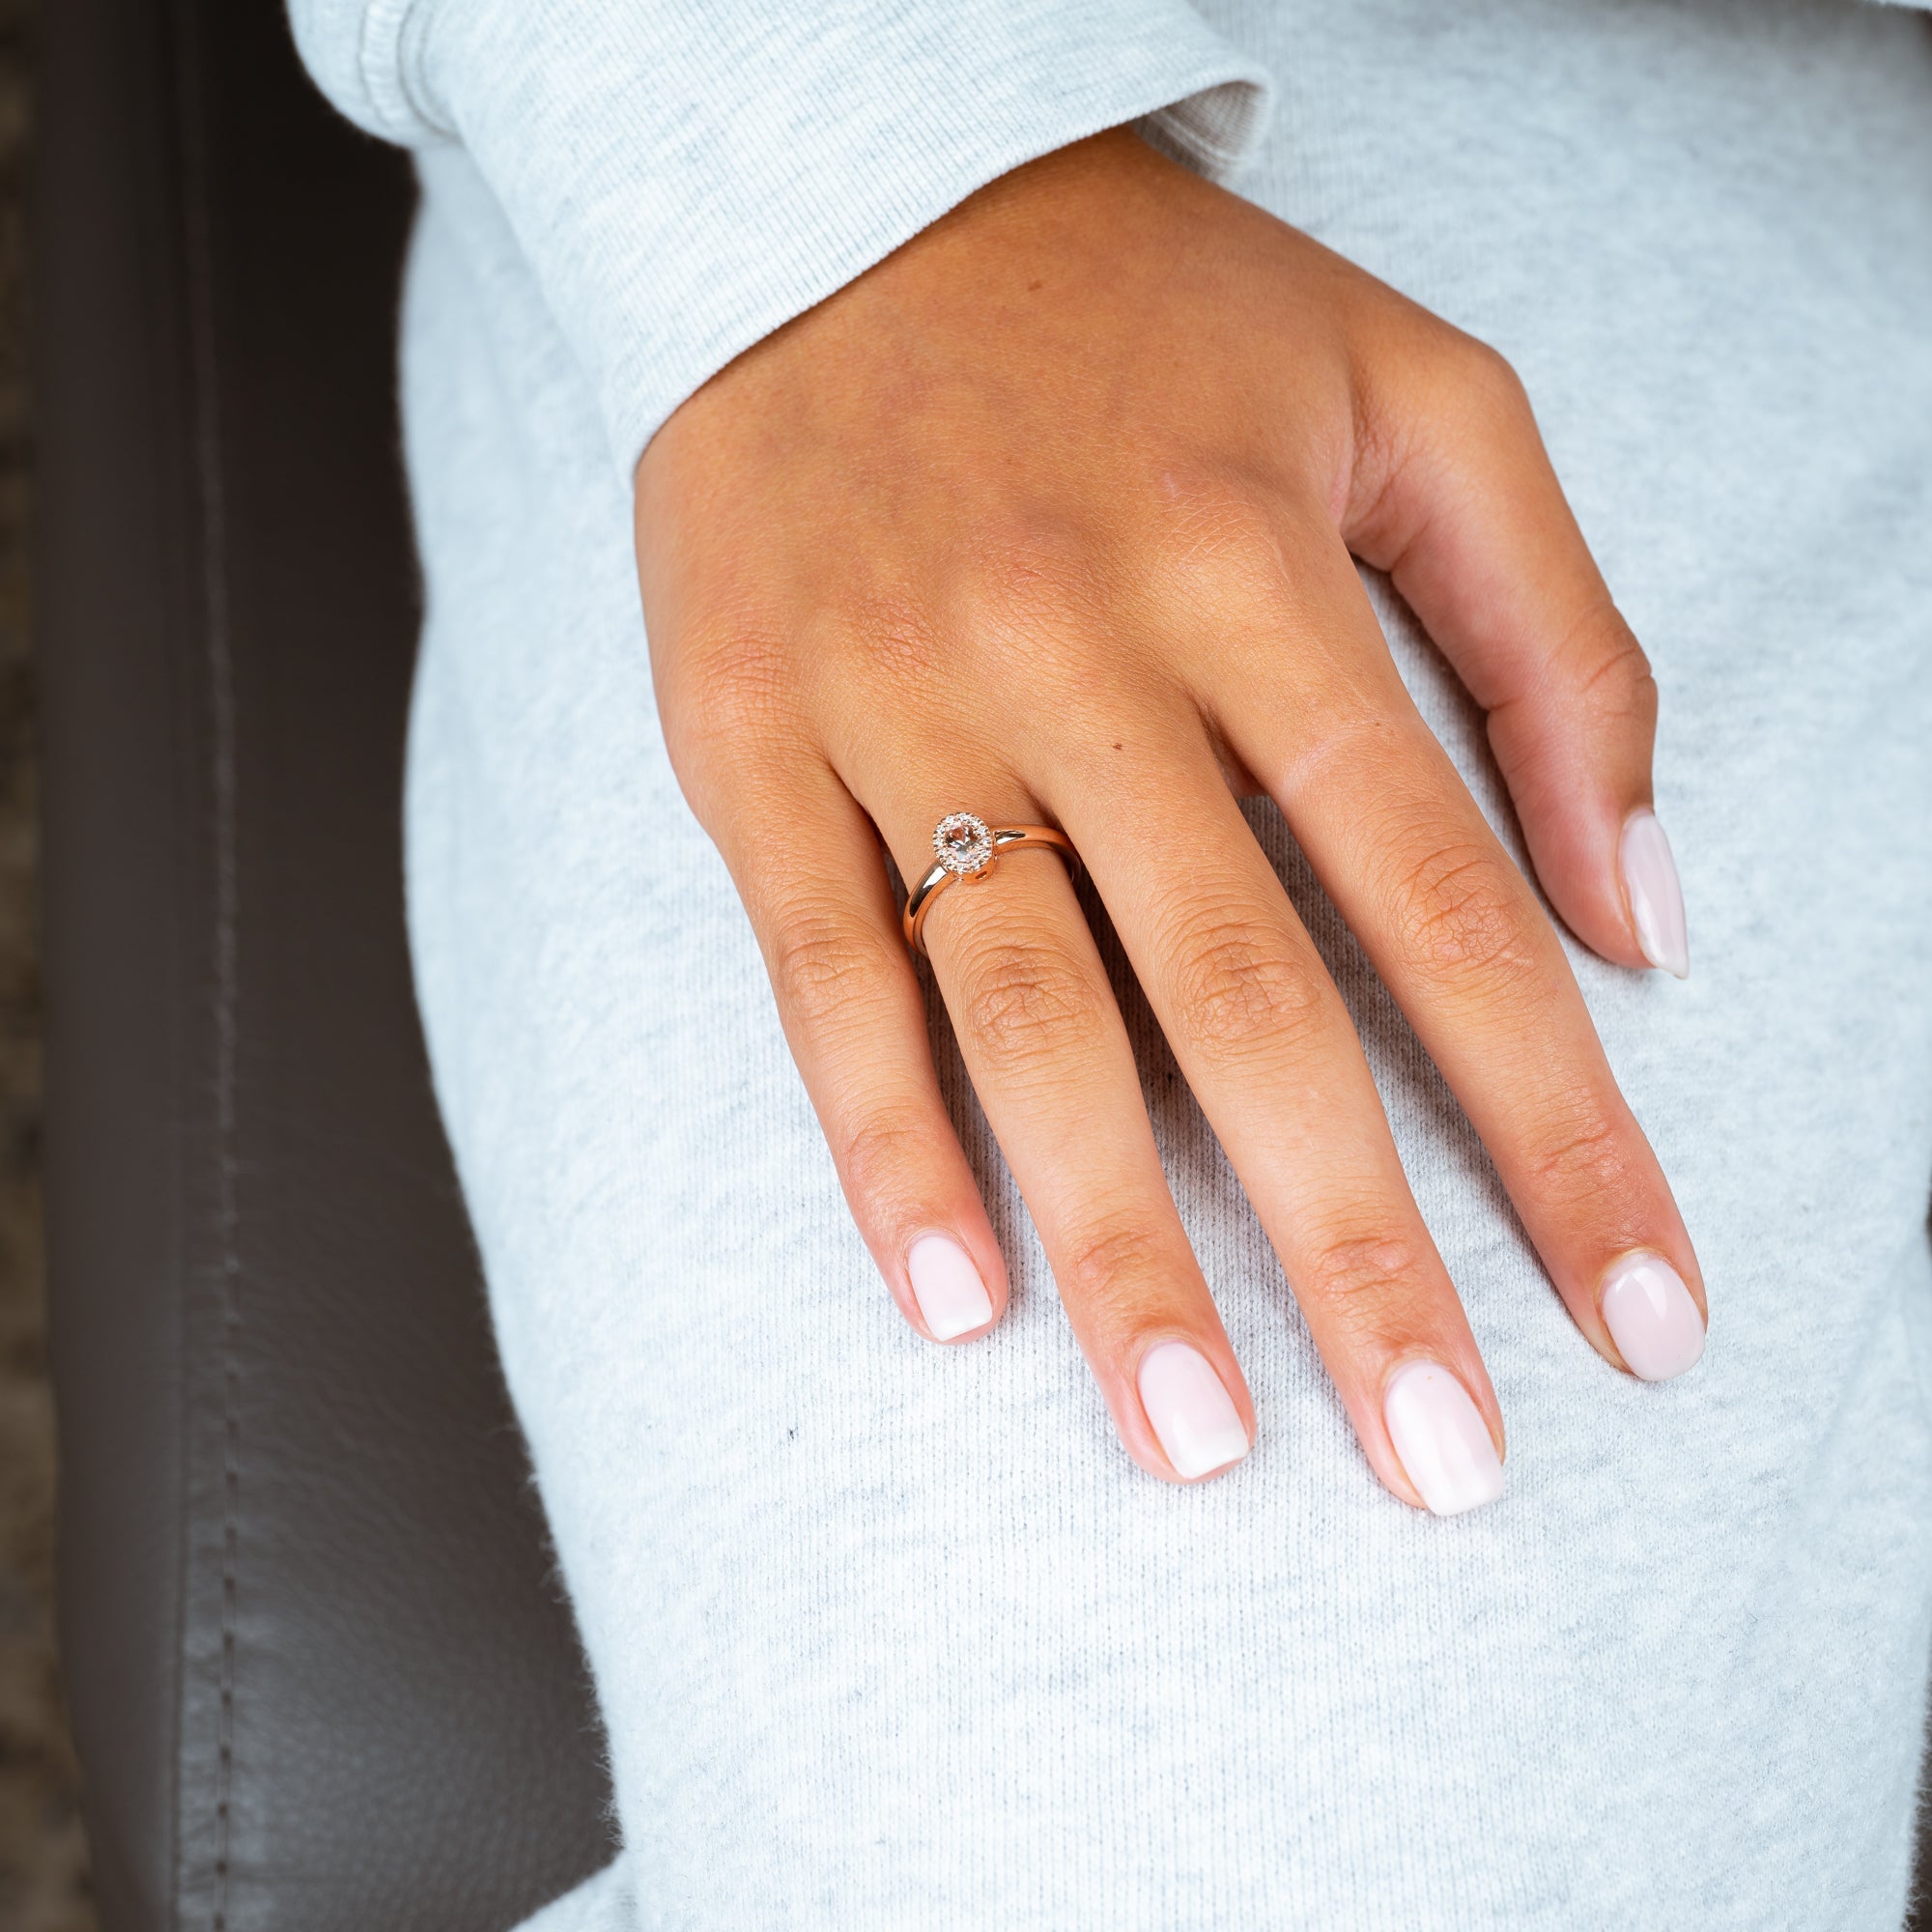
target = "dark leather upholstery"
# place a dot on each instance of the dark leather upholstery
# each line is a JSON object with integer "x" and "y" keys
{"x": 318, "y": 1672}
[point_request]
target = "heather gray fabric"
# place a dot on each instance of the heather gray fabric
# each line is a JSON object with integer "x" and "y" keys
{"x": 892, "y": 1636}
{"x": 684, "y": 176}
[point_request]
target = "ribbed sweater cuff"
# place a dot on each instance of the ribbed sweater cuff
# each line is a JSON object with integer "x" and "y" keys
{"x": 684, "y": 178}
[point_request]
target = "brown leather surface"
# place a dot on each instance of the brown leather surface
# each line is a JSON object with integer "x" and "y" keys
{"x": 318, "y": 1673}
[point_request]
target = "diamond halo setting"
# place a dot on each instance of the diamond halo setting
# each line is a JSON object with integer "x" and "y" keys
{"x": 966, "y": 847}
{"x": 963, "y": 843}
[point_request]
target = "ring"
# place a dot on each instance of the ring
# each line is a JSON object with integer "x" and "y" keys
{"x": 966, "y": 847}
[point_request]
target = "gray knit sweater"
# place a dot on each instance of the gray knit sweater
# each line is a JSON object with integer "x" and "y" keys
{"x": 891, "y": 1636}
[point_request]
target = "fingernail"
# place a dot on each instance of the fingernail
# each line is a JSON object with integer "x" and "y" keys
{"x": 1443, "y": 1440}
{"x": 946, "y": 1286}
{"x": 1192, "y": 1414}
{"x": 1650, "y": 1318}
{"x": 1656, "y": 899}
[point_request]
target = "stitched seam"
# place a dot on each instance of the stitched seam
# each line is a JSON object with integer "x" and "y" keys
{"x": 392, "y": 63}
{"x": 218, "y": 660}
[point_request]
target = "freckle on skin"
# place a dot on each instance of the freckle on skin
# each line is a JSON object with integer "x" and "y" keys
{"x": 1117, "y": 747}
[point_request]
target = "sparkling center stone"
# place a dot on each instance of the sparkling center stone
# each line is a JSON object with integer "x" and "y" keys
{"x": 962, "y": 842}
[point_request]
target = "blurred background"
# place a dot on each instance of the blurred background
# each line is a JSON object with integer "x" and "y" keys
{"x": 42, "y": 1856}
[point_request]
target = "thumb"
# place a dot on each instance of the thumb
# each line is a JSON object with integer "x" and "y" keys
{"x": 1464, "y": 510}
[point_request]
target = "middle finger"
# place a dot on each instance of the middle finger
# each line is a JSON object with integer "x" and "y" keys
{"x": 1268, "y": 1047}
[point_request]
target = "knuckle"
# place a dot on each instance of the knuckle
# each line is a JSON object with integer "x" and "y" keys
{"x": 1363, "y": 1280}
{"x": 730, "y": 694}
{"x": 1458, "y": 912}
{"x": 820, "y": 963}
{"x": 1239, "y": 989}
{"x": 1219, "y": 542}
{"x": 1024, "y": 1004}
{"x": 879, "y": 1155}
{"x": 1608, "y": 668}
{"x": 1343, "y": 728}
{"x": 1106, "y": 1268}
{"x": 1486, "y": 383}
{"x": 1583, "y": 1157}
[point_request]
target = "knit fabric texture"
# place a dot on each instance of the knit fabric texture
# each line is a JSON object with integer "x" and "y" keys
{"x": 889, "y": 1635}
{"x": 682, "y": 177}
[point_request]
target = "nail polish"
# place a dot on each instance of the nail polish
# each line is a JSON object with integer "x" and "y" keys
{"x": 946, "y": 1286}
{"x": 1656, "y": 899}
{"x": 1650, "y": 1318}
{"x": 1443, "y": 1440}
{"x": 1191, "y": 1411}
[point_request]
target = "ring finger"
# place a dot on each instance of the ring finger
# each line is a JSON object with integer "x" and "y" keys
{"x": 1051, "y": 1063}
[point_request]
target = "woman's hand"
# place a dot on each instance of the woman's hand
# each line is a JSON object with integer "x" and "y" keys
{"x": 1049, "y": 518}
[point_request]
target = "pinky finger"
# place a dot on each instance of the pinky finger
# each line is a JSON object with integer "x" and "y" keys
{"x": 853, "y": 1014}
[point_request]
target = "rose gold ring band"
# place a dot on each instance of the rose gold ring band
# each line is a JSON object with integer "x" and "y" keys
{"x": 966, "y": 847}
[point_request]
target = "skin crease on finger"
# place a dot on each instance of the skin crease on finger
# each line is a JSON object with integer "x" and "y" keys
{"x": 1040, "y": 507}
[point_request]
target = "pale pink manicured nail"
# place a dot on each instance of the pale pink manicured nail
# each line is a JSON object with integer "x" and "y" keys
{"x": 1443, "y": 1440}
{"x": 1656, "y": 899}
{"x": 1650, "y": 1318}
{"x": 948, "y": 1288}
{"x": 1192, "y": 1414}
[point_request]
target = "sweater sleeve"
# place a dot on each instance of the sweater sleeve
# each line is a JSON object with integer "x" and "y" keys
{"x": 684, "y": 176}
